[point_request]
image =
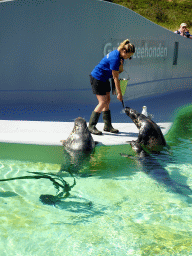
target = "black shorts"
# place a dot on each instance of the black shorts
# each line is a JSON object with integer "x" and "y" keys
{"x": 99, "y": 87}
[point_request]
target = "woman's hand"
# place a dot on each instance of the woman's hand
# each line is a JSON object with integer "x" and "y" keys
{"x": 119, "y": 96}
{"x": 117, "y": 84}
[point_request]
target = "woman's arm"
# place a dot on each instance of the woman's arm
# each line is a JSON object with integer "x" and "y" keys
{"x": 121, "y": 67}
{"x": 117, "y": 84}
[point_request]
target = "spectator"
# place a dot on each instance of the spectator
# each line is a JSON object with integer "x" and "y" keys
{"x": 183, "y": 31}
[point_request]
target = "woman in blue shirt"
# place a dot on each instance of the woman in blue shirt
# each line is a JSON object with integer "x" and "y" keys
{"x": 109, "y": 67}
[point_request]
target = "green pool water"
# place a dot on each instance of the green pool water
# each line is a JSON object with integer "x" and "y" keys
{"x": 115, "y": 208}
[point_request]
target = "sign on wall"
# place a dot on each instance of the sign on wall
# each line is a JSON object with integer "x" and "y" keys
{"x": 145, "y": 50}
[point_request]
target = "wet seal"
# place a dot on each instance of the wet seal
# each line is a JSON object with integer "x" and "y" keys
{"x": 149, "y": 143}
{"x": 78, "y": 146}
{"x": 150, "y": 138}
{"x": 80, "y": 138}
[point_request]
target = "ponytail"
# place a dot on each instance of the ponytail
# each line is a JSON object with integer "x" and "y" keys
{"x": 122, "y": 45}
{"x": 127, "y": 46}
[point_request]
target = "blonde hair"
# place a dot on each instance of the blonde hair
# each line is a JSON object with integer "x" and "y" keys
{"x": 127, "y": 46}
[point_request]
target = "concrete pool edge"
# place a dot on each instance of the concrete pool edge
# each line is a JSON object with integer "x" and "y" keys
{"x": 50, "y": 133}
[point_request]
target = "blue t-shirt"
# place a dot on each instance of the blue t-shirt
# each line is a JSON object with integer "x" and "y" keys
{"x": 103, "y": 71}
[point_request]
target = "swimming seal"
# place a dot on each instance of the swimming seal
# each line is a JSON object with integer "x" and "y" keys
{"x": 150, "y": 138}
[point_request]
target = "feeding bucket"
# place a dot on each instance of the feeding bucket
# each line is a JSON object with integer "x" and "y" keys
{"x": 123, "y": 85}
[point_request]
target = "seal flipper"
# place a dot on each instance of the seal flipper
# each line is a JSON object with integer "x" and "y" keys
{"x": 63, "y": 142}
{"x": 128, "y": 156}
{"x": 136, "y": 146}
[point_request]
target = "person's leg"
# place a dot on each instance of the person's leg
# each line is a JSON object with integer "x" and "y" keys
{"x": 102, "y": 104}
{"x": 102, "y": 91}
{"x": 107, "y": 117}
{"x": 107, "y": 102}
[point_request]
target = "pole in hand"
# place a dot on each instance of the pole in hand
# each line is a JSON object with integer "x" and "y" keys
{"x": 123, "y": 110}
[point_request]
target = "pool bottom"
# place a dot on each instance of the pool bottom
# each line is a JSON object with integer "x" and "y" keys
{"x": 107, "y": 214}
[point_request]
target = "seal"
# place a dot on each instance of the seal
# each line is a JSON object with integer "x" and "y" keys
{"x": 80, "y": 138}
{"x": 150, "y": 138}
{"x": 78, "y": 146}
{"x": 155, "y": 168}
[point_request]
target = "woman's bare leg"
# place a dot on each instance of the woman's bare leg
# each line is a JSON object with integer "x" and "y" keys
{"x": 102, "y": 99}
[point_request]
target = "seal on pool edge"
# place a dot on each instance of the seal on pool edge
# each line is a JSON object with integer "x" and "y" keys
{"x": 150, "y": 138}
{"x": 80, "y": 138}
